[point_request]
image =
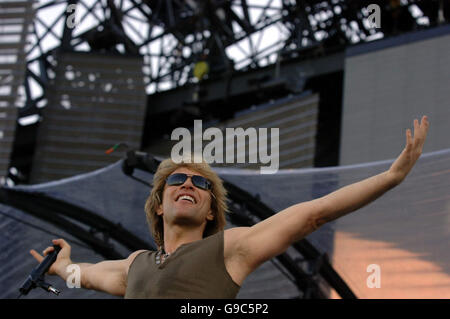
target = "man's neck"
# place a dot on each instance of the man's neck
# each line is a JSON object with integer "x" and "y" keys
{"x": 176, "y": 236}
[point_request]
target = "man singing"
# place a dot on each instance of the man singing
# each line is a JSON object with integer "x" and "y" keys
{"x": 197, "y": 258}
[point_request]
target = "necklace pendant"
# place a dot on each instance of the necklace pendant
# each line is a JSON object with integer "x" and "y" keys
{"x": 161, "y": 256}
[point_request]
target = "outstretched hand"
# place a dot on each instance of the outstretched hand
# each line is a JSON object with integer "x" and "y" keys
{"x": 412, "y": 151}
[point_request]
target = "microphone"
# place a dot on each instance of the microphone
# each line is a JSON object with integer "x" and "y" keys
{"x": 36, "y": 277}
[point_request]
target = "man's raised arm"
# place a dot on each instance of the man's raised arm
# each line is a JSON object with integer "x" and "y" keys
{"x": 274, "y": 235}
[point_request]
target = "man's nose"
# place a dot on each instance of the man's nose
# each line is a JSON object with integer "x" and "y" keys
{"x": 188, "y": 183}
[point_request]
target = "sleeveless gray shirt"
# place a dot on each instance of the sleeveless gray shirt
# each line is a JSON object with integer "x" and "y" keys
{"x": 194, "y": 270}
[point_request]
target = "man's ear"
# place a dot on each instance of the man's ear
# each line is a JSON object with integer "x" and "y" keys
{"x": 159, "y": 210}
{"x": 210, "y": 215}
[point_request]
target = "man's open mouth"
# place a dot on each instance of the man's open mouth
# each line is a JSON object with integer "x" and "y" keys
{"x": 187, "y": 198}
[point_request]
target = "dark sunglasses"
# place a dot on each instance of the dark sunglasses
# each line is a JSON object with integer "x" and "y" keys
{"x": 198, "y": 181}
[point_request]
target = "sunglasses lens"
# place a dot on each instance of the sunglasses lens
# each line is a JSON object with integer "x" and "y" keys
{"x": 176, "y": 179}
{"x": 201, "y": 182}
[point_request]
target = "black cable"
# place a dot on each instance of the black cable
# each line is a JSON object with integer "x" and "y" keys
{"x": 141, "y": 181}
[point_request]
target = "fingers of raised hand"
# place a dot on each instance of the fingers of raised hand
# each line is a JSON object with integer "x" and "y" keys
{"x": 420, "y": 133}
{"x": 416, "y": 126}
{"x": 424, "y": 125}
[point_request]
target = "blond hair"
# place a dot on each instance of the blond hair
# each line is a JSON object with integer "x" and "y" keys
{"x": 218, "y": 199}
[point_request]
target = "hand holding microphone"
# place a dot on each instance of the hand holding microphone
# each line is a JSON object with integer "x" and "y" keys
{"x": 57, "y": 257}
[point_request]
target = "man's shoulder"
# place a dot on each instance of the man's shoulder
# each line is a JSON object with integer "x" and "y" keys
{"x": 133, "y": 255}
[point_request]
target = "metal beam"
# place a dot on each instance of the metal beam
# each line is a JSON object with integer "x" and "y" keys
{"x": 67, "y": 31}
{"x": 245, "y": 82}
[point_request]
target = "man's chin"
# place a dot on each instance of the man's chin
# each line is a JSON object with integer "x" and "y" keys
{"x": 186, "y": 216}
